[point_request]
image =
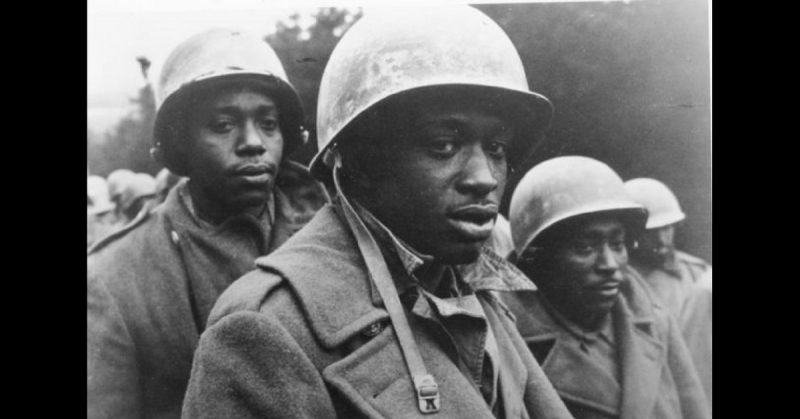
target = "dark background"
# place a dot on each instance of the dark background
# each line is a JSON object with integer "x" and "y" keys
{"x": 630, "y": 84}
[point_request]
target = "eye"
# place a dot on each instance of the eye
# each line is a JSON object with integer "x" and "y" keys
{"x": 617, "y": 245}
{"x": 221, "y": 126}
{"x": 497, "y": 149}
{"x": 582, "y": 248}
{"x": 443, "y": 147}
{"x": 269, "y": 124}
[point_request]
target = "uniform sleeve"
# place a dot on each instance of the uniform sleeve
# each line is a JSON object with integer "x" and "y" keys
{"x": 248, "y": 366}
{"x": 112, "y": 378}
{"x": 694, "y": 404}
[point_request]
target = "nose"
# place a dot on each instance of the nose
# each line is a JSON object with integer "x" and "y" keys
{"x": 479, "y": 176}
{"x": 250, "y": 141}
{"x": 665, "y": 236}
{"x": 608, "y": 261}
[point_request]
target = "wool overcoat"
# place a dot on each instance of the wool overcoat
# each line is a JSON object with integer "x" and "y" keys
{"x": 151, "y": 287}
{"x": 685, "y": 291}
{"x": 657, "y": 377}
{"x": 304, "y": 337}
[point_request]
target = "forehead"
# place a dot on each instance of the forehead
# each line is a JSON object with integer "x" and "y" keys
{"x": 461, "y": 108}
{"x": 598, "y": 227}
{"x": 233, "y": 96}
{"x": 449, "y": 102}
{"x": 457, "y": 114}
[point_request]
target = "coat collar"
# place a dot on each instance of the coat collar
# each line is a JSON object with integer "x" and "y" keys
{"x": 338, "y": 275}
{"x": 330, "y": 289}
{"x": 640, "y": 354}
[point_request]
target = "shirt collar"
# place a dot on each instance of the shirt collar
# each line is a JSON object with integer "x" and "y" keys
{"x": 188, "y": 202}
{"x": 488, "y": 272}
{"x": 406, "y": 264}
{"x": 410, "y": 259}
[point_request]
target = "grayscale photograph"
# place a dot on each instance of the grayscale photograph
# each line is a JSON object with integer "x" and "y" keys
{"x": 399, "y": 209}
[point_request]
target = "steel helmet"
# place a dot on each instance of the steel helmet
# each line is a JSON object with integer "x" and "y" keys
{"x": 565, "y": 187}
{"x": 660, "y": 202}
{"x": 97, "y": 192}
{"x": 116, "y": 182}
{"x": 208, "y": 58}
{"x": 384, "y": 54}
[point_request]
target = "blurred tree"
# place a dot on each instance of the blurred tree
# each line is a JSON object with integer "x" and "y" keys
{"x": 128, "y": 144}
{"x": 630, "y": 85}
{"x": 304, "y": 54}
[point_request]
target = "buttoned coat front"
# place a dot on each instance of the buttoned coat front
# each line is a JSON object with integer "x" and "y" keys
{"x": 302, "y": 337}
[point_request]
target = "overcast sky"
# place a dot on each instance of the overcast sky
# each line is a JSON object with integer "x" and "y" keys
{"x": 120, "y": 30}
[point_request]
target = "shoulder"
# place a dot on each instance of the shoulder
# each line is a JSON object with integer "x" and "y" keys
{"x": 699, "y": 270}
{"x": 246, "y": 294}
{"x": 533, "y": 320}
{"x": 128, "y": 232}
{"x": 693, "y": 261}
{"x": 126, "y": 260}
{"x": 641, "y": 299}
{"x": 322, "y": 242}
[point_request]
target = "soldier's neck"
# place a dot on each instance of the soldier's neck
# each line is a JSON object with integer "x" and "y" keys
{"x": 214, "y": 212}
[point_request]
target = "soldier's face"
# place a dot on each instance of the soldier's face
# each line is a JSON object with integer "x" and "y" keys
{"x": 585, "y": 269}
{"x": 446, "y": 170}
{"x": 657, "y": 245}
{"x": 234, "y": 148}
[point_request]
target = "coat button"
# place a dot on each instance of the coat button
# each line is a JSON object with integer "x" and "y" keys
{"x": 373, "y": 329}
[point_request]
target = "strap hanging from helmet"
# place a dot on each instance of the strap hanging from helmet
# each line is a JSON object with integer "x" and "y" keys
{"x": 427, "y": 390}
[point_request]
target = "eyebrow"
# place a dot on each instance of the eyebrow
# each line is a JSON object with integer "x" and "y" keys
{"x": 235, "y": 109}
{"x": 600, "y": 233}
{"x": 456, "y": 122}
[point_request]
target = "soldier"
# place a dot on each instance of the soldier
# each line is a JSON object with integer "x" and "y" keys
{"x": 137, "y": 195}
{"x": 101, "y": 223}
{"x": 606, "y": 345}
{"x": 117, "y": 180}
{"x": 681, "y": 281}
{"x": 366, "y": 312}
{"x": 227, "y": 120}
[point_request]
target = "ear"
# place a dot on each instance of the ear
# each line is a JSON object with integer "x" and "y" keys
{"x": 355, "y": 172}
{"x": 156, "y": 154}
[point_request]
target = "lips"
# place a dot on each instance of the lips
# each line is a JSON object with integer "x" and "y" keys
{"x": 474, "y": 222}
{"x": 607, "y": 289}
{"x": 254, "y": 173}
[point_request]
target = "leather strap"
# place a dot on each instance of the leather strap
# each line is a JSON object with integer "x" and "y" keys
{"x": 425, "y": 385}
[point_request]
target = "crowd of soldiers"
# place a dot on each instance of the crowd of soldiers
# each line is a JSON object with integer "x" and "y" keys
{"x": 382, "y": 281}
{"x": 114, "y": 202}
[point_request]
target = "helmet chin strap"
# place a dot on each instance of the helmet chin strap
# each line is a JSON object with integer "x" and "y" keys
{"x": 427, "y": 390}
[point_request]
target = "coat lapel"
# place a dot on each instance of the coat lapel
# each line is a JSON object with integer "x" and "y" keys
{"x": 338, "y": 276}
{"x": 512, "y": 381}
{"x": 641, "y": 353}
